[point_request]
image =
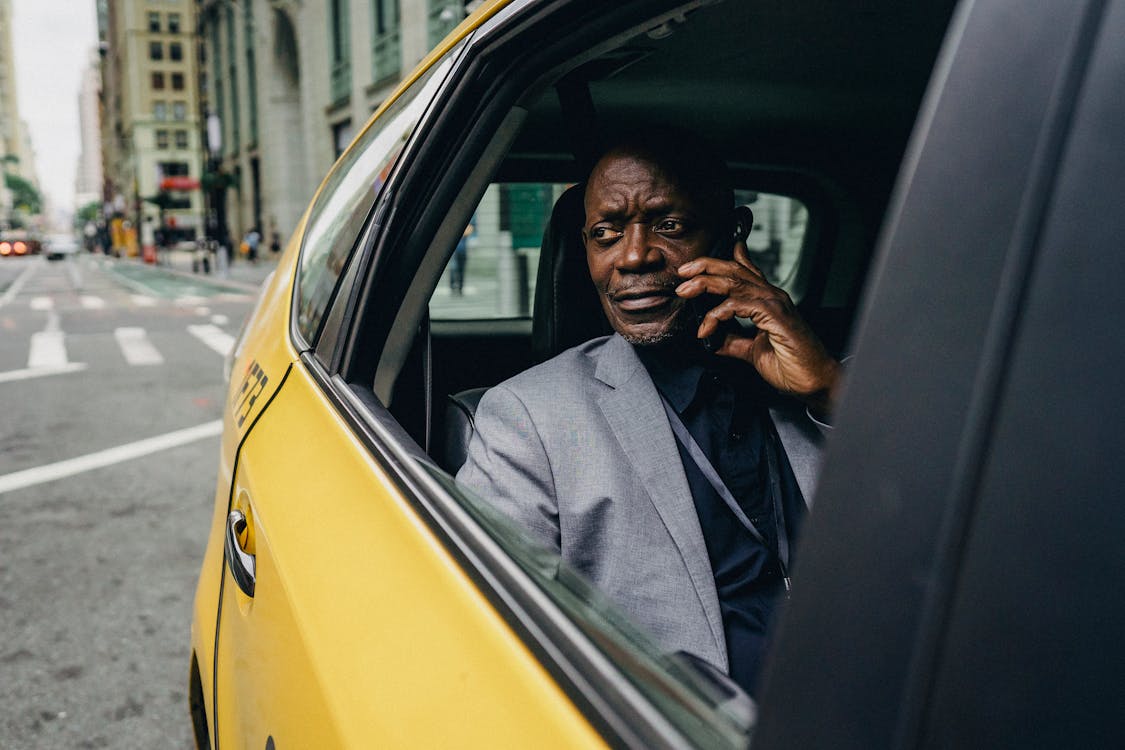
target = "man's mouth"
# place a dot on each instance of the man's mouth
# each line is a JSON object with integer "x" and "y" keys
{"x": 642, "y": 300}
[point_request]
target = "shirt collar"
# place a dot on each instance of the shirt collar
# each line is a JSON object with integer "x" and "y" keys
{"x": 676, "y": 376}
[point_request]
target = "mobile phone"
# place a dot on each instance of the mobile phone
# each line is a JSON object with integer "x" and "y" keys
{"x": 723, "y": 249}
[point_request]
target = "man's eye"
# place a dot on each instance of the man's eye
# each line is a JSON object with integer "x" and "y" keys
{"x": 605, "y": 234}
{"x": 669, "y": 226}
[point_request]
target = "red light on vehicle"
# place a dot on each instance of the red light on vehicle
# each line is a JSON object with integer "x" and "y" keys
{"x": 20, "y": 248}
{"x": 5, "y": 248}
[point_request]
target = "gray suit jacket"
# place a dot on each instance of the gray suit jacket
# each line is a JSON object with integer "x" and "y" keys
{"x": 578, "y": 450}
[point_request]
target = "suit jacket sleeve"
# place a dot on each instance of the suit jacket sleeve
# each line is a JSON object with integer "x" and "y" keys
{"x": 507, "y": 465}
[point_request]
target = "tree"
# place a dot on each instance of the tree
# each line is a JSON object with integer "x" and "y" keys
{"x": 90, "y": 212}
{"x": 24, "y": 195}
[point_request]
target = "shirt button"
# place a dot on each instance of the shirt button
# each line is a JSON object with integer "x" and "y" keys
{"x": 736, "y": 436}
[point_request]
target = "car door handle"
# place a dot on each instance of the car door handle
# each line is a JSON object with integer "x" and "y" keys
{"x": 240, "y": 562}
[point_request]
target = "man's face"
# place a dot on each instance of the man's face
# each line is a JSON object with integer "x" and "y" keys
{"x": 640, "y": 227}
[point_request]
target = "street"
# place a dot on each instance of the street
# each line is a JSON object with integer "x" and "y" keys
{"x": 111, "y": 388}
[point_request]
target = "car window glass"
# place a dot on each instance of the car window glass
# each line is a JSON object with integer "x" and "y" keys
{"x": 491, "y": 273}
{"x": 777, "y": 239}
{"x": 700, "y": 707}
{"x": 349, "y": 193}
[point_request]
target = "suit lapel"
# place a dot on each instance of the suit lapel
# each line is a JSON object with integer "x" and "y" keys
{"x": 801, "y": 442}
{"x": 635, "y": 414}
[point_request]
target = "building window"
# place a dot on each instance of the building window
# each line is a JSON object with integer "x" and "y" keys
{"x": 173, "y": 169}
{"x": 173, "y": 23}
{"x": 162, "y": 139}
{"x": 443, "y": 17}
{"x": 179, "y": 111}
{"x": 176, "y": 51}
{"x": 155, "y": 51}
{"x": 160, "y": 111}
{"x": 182, "y": 140}
{"x": 342, "y": 134}
{"x": 154, "y": 22}
{"x": 340, "y": 84}
{"x": 177, "y": 81}
{"x": 158, "y": 81}
{"x": 386, "y": 40}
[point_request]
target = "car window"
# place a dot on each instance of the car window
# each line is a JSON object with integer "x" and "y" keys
{"x": 702, "y": 708}
{"x": 348, "y": 194}
{"x": 777, "y": 239}
{"x": 492, "y": 271}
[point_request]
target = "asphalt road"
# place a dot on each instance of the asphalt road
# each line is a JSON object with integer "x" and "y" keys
{"x": 98, "y": 557}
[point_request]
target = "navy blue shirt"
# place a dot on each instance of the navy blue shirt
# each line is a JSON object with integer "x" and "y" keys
{"x": 724, "y": 405}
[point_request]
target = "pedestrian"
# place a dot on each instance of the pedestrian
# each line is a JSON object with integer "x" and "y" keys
{"x": 460, "y": 260}
{"x": 252, "y": 240}
{"x": 275, "y": 244}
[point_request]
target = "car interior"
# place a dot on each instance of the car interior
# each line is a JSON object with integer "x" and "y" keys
{"x": 812, "y": 109}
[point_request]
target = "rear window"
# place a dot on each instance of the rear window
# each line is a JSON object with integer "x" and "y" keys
{"x": 491, "y": 274}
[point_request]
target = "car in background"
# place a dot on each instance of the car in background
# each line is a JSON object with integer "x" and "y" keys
{"x": 18, "y": 242}
{"x": 940, "y": 187}
{"x": 59, "y": 246}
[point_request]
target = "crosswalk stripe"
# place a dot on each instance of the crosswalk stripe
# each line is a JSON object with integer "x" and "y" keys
{"x": 47, "y": 350}
{"x": 214, "y": 337}
{"x": 92, "y": 303}
{"x": 42, "y": 303}
{"x": 143, "y": 300}
{"x": 136, "y": 347}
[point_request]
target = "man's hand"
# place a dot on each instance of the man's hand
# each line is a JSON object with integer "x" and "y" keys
{"x": 784, "y": 350}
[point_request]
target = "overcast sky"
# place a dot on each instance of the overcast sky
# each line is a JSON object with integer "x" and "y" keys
{"x": 52, "y": 41}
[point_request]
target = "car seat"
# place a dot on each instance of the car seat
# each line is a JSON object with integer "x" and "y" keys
{"x": 566, "y": 312}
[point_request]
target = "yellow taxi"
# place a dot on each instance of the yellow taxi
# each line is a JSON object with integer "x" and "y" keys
{"x": 353, "y": 595}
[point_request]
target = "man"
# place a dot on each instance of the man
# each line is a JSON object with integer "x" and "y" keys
{"x": 672, "y": 477}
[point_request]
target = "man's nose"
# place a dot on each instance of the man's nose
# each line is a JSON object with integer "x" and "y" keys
{"x": 637, "y": 250}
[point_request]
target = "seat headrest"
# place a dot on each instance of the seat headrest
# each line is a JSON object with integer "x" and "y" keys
{"x": 567, "y": 310}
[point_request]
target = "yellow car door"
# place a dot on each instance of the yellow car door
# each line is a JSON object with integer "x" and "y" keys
{"x": 362, "y": 631}
{"x": 342, "y": 620}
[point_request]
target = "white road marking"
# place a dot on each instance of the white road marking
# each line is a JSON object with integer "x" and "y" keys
{"x": 214, "y": 337}
{"x": 17, "y": 285}
{"x": 50, "y": 472}
{"x": 220, "y": 319}
{"x": 143, "y": 300}
{"x": 203, "y": 311}
{"x": 47, "y": 350}
{"x": 136, "y": 347}
{"x": 47, "y": 347}
{"x": 39, "y": 372}
{"x": 93, "y": 303}
{"x": 42, "y": 303}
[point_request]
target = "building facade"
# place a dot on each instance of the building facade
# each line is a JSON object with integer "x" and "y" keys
{"x": 152, "y": 150}
{"x": 287, "y": 85}
{"x": 89, "y": 177}
{"x": 16, "y": 155}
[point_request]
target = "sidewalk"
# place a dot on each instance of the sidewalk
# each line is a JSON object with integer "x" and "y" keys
{"x": 240, "y": 274}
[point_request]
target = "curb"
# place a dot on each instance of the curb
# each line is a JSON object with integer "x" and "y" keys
{"x": 240, "y": 286}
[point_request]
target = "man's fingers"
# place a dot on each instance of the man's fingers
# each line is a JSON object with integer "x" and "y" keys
{"x": 742, "y": 257}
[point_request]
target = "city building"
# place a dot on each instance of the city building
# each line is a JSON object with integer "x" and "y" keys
{"x": 88, "y": 180}
{"x": 16, "y": 156}
{"x": 152, "y": 150}
{"x": 287, "y": 84}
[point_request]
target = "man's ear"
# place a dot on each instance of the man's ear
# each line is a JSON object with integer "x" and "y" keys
{"x": 743, "y": 221}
